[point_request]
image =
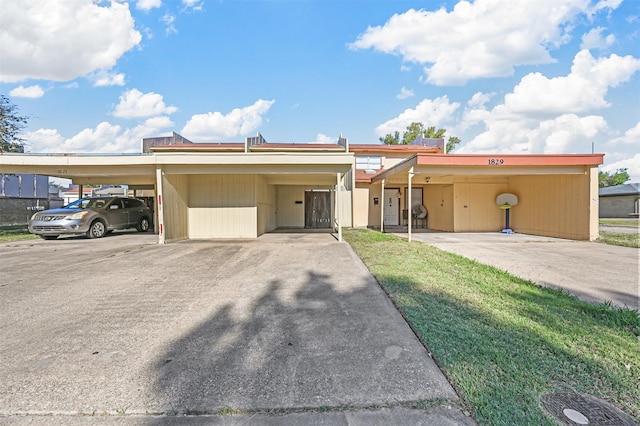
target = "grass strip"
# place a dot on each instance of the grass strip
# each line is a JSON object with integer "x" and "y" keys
{"x": 620, "y": 239}
{"x": 634, "y": 223}
{"x": 502, "y": 341}
{"x": 15, "y": 233}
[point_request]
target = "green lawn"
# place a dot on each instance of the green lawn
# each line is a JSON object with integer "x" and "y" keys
{"x": 15, "y": 233}
{"x": 619, "y": 239}
{"x": 502, "y": 341}
{"x": 620, "y": 222}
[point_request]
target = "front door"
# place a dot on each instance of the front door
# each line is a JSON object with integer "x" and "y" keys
{"x": 317, "y": 209}
{"x": 391, "y": 207}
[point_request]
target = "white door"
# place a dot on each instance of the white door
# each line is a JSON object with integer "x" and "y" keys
{"x": 391, "y": 207}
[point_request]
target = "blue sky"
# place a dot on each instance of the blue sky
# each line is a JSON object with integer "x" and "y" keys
{"x": 547, "y": 76}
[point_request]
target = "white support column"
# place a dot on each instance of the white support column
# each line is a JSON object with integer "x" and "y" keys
{"x": 160, "y": 206}
{"x": 409, "y": 202}
{"x": 338, "y": 207}
{"x": 382, "y": 202}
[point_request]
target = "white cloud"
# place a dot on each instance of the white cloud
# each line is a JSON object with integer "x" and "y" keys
{"x": 148, "y": 4}
{"x": 540, "y": 115}
{"x": 43, "y": 140}
{"x": 479, "y": 99}
{"x": 324, "y": 139}
{"x": 104, "y": 138}
{"x": 215, "y": 125}
{"x": 103, "y": 78}
{"x": 27, "y": 92}
{"x": 195, "y": 5}
{"x": 134, "y": 103}
{"x": 62, "y": 39}
{"x": 169, "y": 22}
{"x": 582, "y": 90}
{"x": 436, "y": 112}
{"x": 566, "y": 133}
{"x": 486, "y": 38}
{"x": 630, "y": 137}
{"x": 405, "y": 93}
{"x": 594, "y": 39}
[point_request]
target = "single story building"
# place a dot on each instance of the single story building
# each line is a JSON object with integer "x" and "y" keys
{"x": 243, "y": 190}
{"x": 620, "y": 201}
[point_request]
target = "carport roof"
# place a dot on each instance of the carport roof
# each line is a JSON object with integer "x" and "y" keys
{"x": 492, "y": 164}
{"x": 140, "y": 169}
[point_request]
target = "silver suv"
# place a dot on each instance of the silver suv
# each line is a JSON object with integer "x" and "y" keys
{"x": 93, "y": 217}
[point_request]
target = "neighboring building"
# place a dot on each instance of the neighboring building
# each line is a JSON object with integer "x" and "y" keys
{"x": 243, "y": 190}
{"x": 620, "y": 201}
{"x": 21, "y": 195}
{"x": 72, "y": 193}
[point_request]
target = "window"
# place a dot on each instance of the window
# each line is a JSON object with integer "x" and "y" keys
{"x": 131, "y": 203}
{"x": 368, "y": 163}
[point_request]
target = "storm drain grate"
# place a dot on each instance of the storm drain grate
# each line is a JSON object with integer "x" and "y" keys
{"x": 572, "y": 408}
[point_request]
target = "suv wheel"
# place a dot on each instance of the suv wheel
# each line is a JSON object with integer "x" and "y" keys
{"x": 143, "y": 226}
{"x": 97, "y": 230}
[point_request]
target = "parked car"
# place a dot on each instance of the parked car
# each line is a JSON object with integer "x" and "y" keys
{"x": 93, "y": 217}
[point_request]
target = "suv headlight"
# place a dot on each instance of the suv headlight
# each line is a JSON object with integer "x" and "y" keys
{"x": 78, "y": 215}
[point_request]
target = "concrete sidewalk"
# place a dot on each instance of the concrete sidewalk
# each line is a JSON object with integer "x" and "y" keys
{"x": 289, "y": 329}
{"x": 592, "y": 271}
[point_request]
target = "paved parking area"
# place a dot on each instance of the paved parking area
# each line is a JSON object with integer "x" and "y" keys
{"x": 592, "y": 271}
{"x": 97, "y": 329}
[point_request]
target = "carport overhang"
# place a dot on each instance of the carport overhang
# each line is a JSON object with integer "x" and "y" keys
{"x": 441, "y": 168}
{"x": 85, "y": 169}
{"x": 445, "y": 168}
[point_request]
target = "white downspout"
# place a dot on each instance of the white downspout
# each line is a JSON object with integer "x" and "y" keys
{"x": 382, "y": 202}
{"x": 409, "y": 201}
{"x": 338, "y": 208}
{"x": 159, "y": 206}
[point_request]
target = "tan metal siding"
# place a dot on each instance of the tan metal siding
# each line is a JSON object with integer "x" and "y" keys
{"x": 475, "y": 208}
{"x": 553, "y": 205}
{"x": 175, "y": 207}
{"x": 266, "y": 197}
{"x": 362, "y": 205}
{"x": 222, "y": 206}
{"x": 439, "y": 201}
{"x": 290, "y": 214}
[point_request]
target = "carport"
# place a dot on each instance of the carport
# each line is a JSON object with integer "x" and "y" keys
{"x": 558, "y": 194}
{"x": 244, "y": 195}
{"x": 213, "y": 194}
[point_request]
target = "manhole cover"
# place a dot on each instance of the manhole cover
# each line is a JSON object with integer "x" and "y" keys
{"x": 572, "y": 408}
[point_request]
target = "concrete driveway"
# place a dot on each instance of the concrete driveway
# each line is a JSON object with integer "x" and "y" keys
{"x": 123, "y": 329}
{"x": 592, "y": 271}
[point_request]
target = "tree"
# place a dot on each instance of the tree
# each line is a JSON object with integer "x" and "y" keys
{"x": 618, "y": 177}
{"x": 11, "y": 125}
{"x": 416, "y": 129}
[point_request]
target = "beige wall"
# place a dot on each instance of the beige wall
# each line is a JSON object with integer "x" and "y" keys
{"x": 475, "y": 208}
{"x": 222, "y": 206}
{"x": 175, "y": 207}
{"x": 288, "y": 213}
{"x": 438, "y": 200}
{"x": 554, "y": 205}
{"x": 361, "y": 205}
{"x": 346, "y": 208}
{"x": 266, "y": 198}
